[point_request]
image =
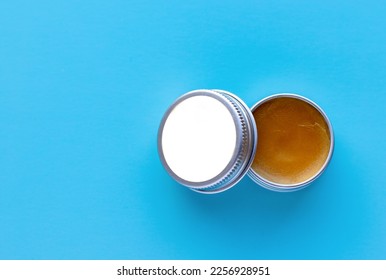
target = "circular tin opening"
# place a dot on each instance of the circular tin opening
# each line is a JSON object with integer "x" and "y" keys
{"x": 295, "y": 142}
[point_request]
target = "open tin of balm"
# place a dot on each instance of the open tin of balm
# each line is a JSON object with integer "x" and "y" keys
{"x": 296, "y": 142}
{"x": 209, "y": 140}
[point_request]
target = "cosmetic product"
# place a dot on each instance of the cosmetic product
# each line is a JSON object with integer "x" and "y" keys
{"x": 295, "y": 142}
{"x": 208, "y": 140}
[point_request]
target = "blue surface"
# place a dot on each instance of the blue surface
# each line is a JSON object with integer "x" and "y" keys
{"x": 83, "y": 87}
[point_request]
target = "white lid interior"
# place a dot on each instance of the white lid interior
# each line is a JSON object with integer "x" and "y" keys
{"x": 199, "y": 138}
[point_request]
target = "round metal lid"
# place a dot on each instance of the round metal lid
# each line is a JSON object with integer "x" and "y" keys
{"x": 207, "y": 140}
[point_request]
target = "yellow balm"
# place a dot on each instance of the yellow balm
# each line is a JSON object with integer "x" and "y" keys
{"x": 294, "y": 140}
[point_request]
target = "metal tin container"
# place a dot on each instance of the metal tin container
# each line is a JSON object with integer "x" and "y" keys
{"x": 192, "y": 136}
{"x": 300, "y": 185}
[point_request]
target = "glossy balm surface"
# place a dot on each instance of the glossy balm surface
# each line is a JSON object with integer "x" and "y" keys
{"x": 198, "y": 138}
{"x": 294, "y": 141}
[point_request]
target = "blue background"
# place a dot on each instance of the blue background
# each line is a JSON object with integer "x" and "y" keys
{"x": 83, "y": 87}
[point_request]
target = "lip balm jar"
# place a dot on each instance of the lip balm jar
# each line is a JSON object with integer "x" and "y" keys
{"x": 208, "y": 140}
{"x": 296, "y": 142}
